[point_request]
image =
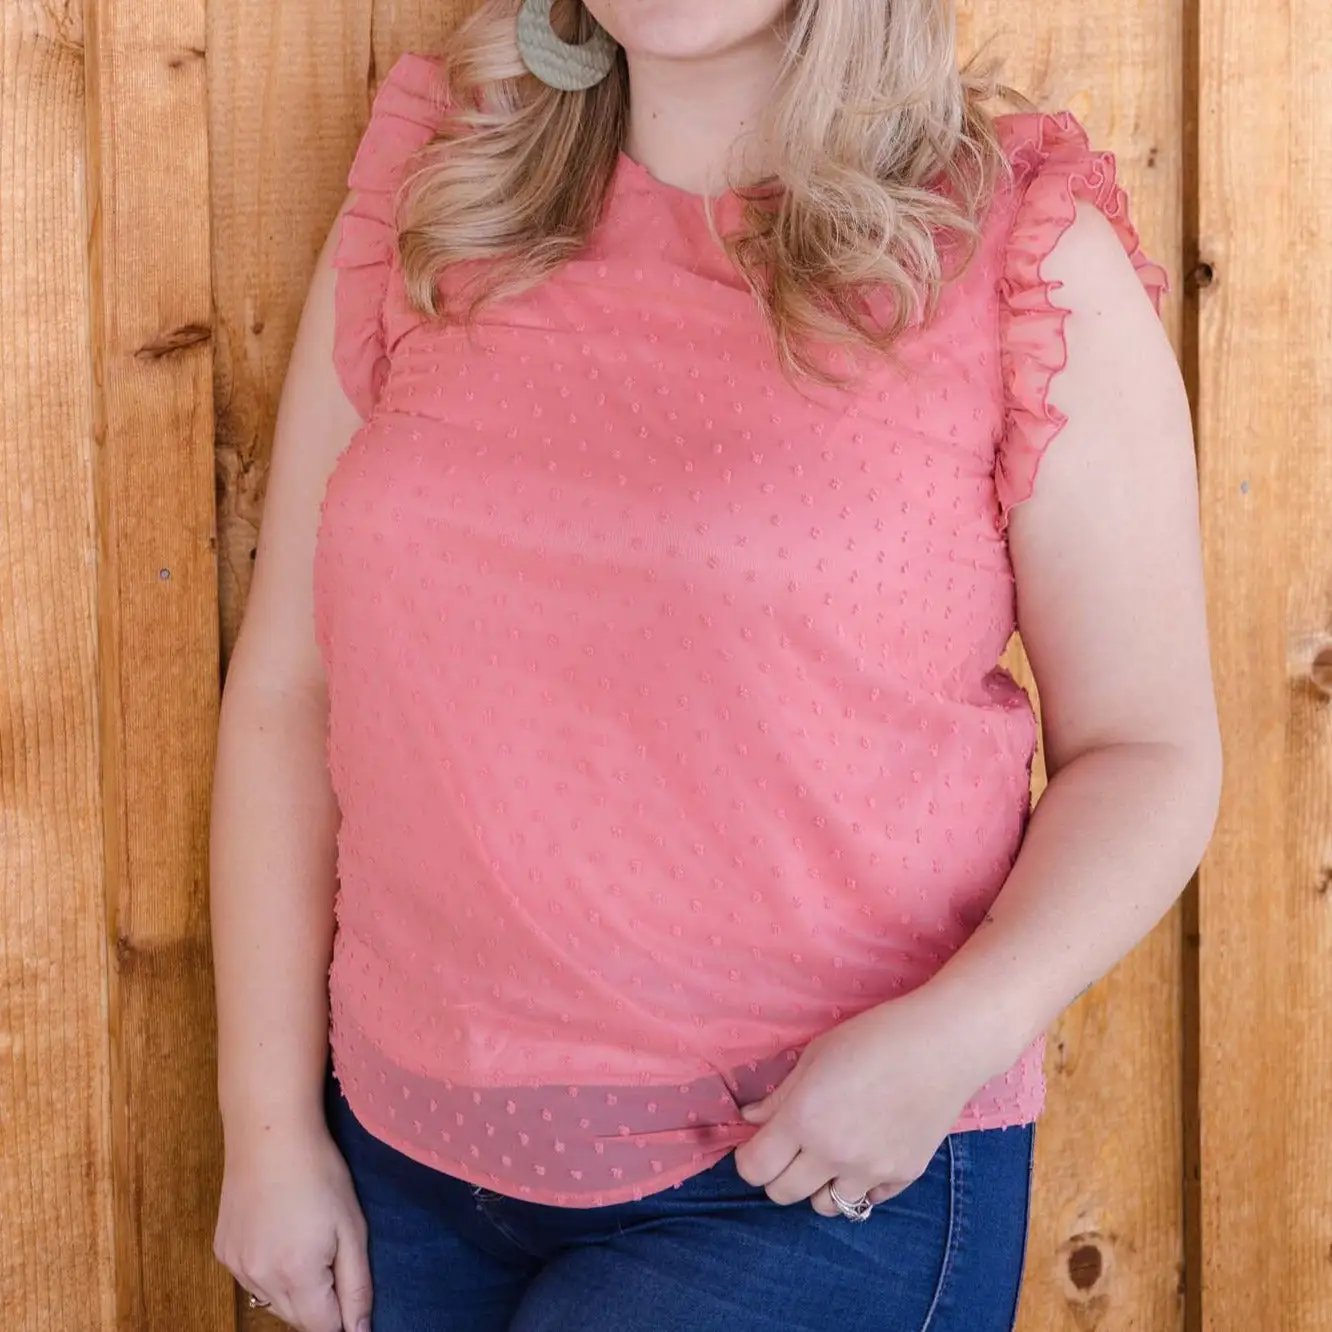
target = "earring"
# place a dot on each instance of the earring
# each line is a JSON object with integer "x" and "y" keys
{"x": 568, "y": 66}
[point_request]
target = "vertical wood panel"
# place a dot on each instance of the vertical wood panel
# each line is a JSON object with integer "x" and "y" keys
{"x": 1265, "y": 390}
{"x": 1105, "y": 1249}
{"x": 150, "y": 316}
{"x": 56, "y": 1230}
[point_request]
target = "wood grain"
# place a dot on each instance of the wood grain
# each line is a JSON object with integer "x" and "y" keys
{"x": 1265, "y": 390}
{"x": 149, "y": 313}
{"x": 57, "y": 1221}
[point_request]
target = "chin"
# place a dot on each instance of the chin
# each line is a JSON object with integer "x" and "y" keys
{"x": 680, "y": 29}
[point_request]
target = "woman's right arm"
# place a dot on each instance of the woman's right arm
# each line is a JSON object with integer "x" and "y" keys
{"x": 289, "y": 1227}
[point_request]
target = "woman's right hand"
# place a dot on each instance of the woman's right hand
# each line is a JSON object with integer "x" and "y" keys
{"x": 290, "y": 1229}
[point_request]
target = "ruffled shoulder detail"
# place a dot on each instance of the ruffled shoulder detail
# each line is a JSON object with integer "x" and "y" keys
{"x": 407, "y": 110}
{"x": 1054, "y": 166}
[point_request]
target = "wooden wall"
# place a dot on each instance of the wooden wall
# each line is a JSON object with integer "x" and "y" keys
{"x": 1262, "y": 359}
{"x": 167, "y": 171}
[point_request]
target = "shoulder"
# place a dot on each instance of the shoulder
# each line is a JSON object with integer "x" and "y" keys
{"x": 406, "y": 112}
{"x": 415, "y": 76}
{"x": 1066, "y": 222}
{"x": 1079, "y": 297}
{"x": 408, "y": 108}
{"x": 1056, "y": 165}
{"x": 1043, "y": 143}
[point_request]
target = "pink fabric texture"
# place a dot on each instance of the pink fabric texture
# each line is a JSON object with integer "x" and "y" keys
{"x": 666, "y": 723}
{"x": 1058, "y": 167}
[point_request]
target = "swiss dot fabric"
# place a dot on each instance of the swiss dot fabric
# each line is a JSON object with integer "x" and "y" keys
{"x": 666, "y": 723}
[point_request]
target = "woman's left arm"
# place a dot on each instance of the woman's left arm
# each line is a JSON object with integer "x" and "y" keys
{"x": 1107, "y": 558}
{"x": 1111, "y": 606}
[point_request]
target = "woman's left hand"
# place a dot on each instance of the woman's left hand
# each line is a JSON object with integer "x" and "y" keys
{"x": 868, "y": 1102}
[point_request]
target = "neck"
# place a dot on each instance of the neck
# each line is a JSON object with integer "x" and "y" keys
{"x": 692, "y": 122}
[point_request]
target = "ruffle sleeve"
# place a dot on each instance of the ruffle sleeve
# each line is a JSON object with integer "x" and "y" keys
{"x": 407, "y": 110}
{"x": 1055, "y": 166}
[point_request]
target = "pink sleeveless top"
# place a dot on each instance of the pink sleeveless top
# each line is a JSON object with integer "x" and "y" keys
{"x": 665, "y": 719}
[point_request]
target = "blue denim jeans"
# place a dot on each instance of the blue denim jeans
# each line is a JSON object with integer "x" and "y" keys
{"x": 714, "y": 1255}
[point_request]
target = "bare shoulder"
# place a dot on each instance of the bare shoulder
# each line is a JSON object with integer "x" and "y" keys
{"x": 1129, "y": 429}
{"x": 1097, "y": 277}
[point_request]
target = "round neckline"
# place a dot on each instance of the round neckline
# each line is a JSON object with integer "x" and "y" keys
{"x": 633, "y": 169}
{"x": 635, "y": 175}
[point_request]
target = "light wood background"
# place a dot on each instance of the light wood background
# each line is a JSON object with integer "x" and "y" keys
{"x": 167, "y": 171}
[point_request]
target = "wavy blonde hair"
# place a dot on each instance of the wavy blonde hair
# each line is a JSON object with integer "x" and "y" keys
{"x": 888, "y": 157}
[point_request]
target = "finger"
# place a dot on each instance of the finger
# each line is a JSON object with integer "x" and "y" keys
{"x": 759, "y": 1112}
{"x": 766, "y": 1154}
{"x": 278, "y": 1306}
{"x": 265, "y": 1287}
{"x": 851, "y": 1187}
{"x": 256, "y": 1288}
{"x": 314, "y": 1303}
{"x": 351, "y": 1278}
{"x": 882, "y": 1192}
{"x": 821, "y": 1201}
{"x": 805, "y": 1176}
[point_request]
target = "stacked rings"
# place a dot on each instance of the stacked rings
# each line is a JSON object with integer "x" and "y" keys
{"x": 854, "y": 1209}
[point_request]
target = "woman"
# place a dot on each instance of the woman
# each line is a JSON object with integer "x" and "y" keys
{"x": 654, "y": 493}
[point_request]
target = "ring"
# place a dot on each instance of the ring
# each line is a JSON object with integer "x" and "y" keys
{"x": 854, "y": 1209}
{"x": 256, "y": 1302}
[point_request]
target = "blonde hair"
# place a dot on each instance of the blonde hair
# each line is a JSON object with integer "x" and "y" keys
{"x": 888, "y": 155}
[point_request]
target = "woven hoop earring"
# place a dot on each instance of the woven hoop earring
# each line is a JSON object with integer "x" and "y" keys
{"x": 565, "y": 65}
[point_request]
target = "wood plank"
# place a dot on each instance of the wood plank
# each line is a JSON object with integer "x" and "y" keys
{"x": 150, "y": 314}
{"x": 1265, "y": 177}
{"x": 1105, "y": 1249}
{"x": 55, "y": 1151}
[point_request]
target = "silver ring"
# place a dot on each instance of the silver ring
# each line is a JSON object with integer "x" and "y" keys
{"x": 855, "y": 1209}
{"x": 256, "y": 1302}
